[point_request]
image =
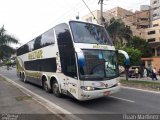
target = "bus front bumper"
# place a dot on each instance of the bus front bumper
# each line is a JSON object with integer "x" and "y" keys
{"x": 88, "y": 95}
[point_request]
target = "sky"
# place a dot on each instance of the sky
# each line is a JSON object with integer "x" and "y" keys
{"x": 26, "y": 19}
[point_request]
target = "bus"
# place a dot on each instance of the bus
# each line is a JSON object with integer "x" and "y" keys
{"x": 73, "y": 58}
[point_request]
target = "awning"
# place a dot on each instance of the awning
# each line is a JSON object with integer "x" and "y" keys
{"x": 146, "y": 59}
{"x": 154, "y": 44}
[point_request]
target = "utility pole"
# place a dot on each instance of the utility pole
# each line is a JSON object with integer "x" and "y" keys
{"x": 101, "y": 9}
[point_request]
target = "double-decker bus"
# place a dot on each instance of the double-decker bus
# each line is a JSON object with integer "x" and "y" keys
{"x": 75, "y": 58}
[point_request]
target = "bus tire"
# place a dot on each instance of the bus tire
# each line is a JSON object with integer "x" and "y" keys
{"x": 55, "y": 89}
{"x": 45, "y": 85}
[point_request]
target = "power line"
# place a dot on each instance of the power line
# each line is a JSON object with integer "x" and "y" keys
{"x": 89, "y": 10}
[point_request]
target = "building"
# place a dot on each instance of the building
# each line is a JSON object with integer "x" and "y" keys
{"x": 141, "y": 23}
{"x": 155, "y": 9}
{"x": 136, "y": 20}
{"x": 152, "y": 36}
{"x": 95, "y": 16}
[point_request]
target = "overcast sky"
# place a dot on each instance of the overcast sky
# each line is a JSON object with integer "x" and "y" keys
{"x": 25, "y": 19}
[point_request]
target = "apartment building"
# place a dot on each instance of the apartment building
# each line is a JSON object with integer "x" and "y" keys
{"x": 95, "y": 17}
{"x": 141, "y": 25}
{"x": 152, "y": 36}
{"x": 155, "y": 9}
{"x": 136, "y": 20}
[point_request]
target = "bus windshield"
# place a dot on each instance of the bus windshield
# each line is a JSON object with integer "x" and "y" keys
{"x": 89, "y": 33}
{"x": 99, "y": 64}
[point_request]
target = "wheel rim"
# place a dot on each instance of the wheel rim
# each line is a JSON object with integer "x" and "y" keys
{"x": 45, "y": 86}
{"x": 55, "y": 88}
{"x": 23, "y": 78}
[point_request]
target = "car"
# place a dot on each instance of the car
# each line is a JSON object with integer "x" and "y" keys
{"x": 131, "y": 72}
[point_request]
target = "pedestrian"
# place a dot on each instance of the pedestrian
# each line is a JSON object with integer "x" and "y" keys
{"x": 8, "y": 64}
{"x": 136, "y": 72}
{"x": 145, "y": 73}
{"x": 154, "y": 77}
{"x": 159, "y": 71}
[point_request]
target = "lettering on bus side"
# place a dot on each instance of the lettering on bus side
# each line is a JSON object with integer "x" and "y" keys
{"x": 100, "y": 46}
{"x": 35, "y": 55}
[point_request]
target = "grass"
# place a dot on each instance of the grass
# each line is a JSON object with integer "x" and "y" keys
{"x": 147, "y": 85}
{"x": 22, "y": 98}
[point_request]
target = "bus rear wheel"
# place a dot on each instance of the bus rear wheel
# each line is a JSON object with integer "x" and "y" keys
{"x": 45, "y": 86}
{"x": 55, "y": 89}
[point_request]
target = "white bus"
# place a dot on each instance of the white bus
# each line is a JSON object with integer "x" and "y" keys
{"x": 75, "y": 58}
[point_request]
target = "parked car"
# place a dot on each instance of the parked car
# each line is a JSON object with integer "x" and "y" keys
{"x": 131, "y": 71}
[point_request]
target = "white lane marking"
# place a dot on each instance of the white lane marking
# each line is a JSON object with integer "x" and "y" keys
{"x": 57, "y": 110}
{"x": 127, "y": 100}
{"x": 141, "y": 90}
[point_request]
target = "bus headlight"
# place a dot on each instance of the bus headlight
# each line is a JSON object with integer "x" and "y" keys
{"x": 87, "y": 88}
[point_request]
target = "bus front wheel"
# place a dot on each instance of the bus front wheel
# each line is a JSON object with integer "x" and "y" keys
{"x": 55, "y": 89}
{"x": 23, "y": 78}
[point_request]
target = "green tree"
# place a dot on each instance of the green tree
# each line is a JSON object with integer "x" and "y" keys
{"x": 118, "y": 31}
{"x": 141, "y": 45}
{"x": 134, "y": 54}
{"x": 5, "y": 41}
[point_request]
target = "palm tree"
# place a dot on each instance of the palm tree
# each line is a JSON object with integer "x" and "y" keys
{"x": 119, "y": 31}
{"x": 5, "y": 41}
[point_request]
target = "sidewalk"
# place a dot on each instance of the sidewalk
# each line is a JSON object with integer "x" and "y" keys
{"x": 14, "y": 104}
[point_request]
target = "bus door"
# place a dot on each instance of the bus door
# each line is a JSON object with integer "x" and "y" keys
{"x": 67, "y": 59}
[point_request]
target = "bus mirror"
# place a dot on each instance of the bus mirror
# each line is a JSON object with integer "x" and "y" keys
{"x": 127, "y": 61}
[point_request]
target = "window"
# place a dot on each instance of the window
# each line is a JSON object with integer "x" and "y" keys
{"x": 46, "y": 65}
{"x": 48, "y": 38}
{"x": 154, "y": 15}
{"x": 151, "y": 32}
{"x": 151, "y": 40}
{"x": 144, "y": 19}
{"x": 154, "y": 25}
{"x": 154, "y": 2}
{"x": 89, "y": 33}
{"x": 41, "y": 41}
{"x": 23, "y": 49}
{"x": 66, "y": 50}
{"x": 158, "y": 51}
{"x": 155, "y": 8}
{"x": 44, "y": 40}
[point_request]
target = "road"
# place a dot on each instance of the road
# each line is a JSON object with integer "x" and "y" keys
{"x": 124, "y": 102}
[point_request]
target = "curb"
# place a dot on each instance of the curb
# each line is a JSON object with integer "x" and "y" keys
{"x": 132, "y": 88}
{"x": 55, "y": 109}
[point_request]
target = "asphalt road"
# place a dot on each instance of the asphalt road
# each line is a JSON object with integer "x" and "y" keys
{"x": 126, "y": 101}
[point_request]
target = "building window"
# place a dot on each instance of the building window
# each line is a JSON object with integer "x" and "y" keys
{"x": 151, "y": 32}
{"x": 155, "y": 8}
{"x": 154, "y": 25}
{"x": 144, "y": 19}
{"x": 158, "y": 51}
{"x": 151, "y": 40}
{"x": 155, "y": 15}
{"x": 154, "y": 2}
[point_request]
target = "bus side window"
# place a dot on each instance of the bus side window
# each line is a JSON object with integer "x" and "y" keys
{"x": 66, "y": 50}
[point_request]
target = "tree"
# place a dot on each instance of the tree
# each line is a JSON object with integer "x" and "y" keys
{"x": 141, "y": 45}
{"x": 118, "y": 31}
{"x": 5, "y": 41}
{"x": 134, "y": 54}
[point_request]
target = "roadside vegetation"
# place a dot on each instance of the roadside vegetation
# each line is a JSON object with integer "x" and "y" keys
{"x": 146, "y": 85}
{"x": 123, "y": 39}
{"x": 6, "y": 41}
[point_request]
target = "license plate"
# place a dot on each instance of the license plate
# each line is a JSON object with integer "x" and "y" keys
{"x": 106, "y": 93}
